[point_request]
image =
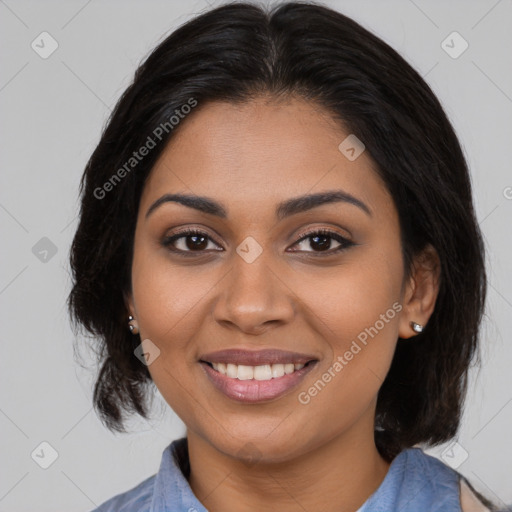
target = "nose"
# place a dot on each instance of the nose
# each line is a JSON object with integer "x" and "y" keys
{"x": 254, "y": 298}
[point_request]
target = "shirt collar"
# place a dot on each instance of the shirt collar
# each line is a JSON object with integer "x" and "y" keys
{"x": 171, "y": 489}
{"x": 403, "y": 485}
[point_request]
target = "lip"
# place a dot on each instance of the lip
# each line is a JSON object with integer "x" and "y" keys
{"x": 256, "y": 357}
{"x": 255, "y": 391}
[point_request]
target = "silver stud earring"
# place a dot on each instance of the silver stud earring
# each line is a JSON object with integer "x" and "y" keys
{"x": 416, "y": 327}
{"x": 132, "y": 324}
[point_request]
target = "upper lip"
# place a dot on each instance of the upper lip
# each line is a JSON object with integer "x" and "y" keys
{"x": 256, "y": 357}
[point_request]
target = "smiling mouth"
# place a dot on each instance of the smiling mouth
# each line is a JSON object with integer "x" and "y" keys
{"x": 259, "y": 373}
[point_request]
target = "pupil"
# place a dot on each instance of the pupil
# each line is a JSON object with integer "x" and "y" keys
{"x": 321, "y": 245}
{"x": 194, "y": 245}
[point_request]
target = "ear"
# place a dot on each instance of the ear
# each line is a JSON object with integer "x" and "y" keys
{"x": 421, "y": 290}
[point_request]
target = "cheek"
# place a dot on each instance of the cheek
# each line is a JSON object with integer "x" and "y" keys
{"x": 356, "y": 312}
{"x": 167, "y": 297}
{"x": 352, "y": 298}
{"x": 170, "y": 304}
{"x": 167, "y": 301}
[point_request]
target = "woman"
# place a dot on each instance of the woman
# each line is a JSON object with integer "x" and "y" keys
{"x": 277, "y": 230}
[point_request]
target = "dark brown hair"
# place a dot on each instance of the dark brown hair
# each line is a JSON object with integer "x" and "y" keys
{"x": 237, "y": 52}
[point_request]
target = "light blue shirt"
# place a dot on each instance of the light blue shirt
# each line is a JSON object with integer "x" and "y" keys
{"x": 415, "y": 482}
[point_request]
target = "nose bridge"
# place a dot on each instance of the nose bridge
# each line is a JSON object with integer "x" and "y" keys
{"x": 254, "y": 295}
{"x": 252, "y": 273}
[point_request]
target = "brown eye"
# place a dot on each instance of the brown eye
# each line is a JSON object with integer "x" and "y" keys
{"x": 321, "y": 240}
{"x": 191, "y": 241}
{"x": 188, "y": 241}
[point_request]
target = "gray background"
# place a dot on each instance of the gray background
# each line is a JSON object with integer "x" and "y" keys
{"x": 52, "y": 112}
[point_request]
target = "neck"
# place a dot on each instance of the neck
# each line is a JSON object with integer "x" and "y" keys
{"x": 338, "y": 476}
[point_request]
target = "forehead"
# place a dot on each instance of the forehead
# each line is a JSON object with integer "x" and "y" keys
{"x": 261, "y": 152}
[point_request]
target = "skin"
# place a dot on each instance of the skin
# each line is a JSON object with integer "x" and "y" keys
{"x": 249, "y": 157}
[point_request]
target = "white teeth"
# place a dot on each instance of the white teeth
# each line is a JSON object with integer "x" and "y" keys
{"x": 231, "y": 370}
{"x": 277, "y": 370}
{"x": 262, "y": 372}
{"x": 245, "y": 372}
{"x": 221, "y": 368}
{"x": 289, "y": 368}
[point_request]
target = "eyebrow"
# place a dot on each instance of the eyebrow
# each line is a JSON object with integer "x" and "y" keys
{"x": 285, "y": 209}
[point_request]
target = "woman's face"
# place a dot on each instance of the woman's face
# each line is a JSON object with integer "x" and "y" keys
{"x": 260, "y": 282}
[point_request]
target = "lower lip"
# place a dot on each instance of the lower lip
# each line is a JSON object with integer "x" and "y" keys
{"x": 254, "y": 391}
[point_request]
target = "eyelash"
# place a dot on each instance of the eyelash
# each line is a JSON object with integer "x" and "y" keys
{"x": 345, "y": 244}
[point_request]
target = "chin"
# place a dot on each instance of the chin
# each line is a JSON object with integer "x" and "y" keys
{"x": 257, "y": 446}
